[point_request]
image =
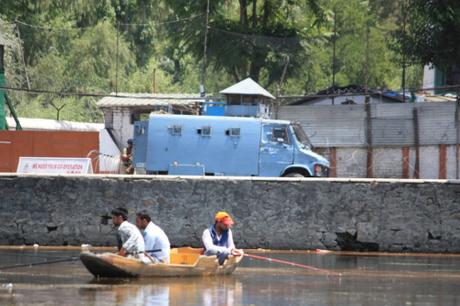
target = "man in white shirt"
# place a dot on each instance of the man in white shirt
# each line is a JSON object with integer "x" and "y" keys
{"x": 132, "y": 242}
{"x": 218, "y": 238}
{"x": 156, "y": 242}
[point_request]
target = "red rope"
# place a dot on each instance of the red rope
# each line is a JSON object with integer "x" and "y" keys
{"x": 291, "y": 264}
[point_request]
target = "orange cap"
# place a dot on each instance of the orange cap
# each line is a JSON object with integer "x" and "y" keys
{"x": 224, "y": 217}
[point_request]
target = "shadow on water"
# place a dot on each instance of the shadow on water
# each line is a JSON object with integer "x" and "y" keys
{"x": 365, "y": 280}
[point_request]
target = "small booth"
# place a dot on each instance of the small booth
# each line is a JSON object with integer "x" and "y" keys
{"x": 247, "y": 99}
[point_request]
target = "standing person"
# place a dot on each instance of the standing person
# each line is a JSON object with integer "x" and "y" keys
{"x": 127, "y": 157}
{"x": 156, "y": 242}
{"x": 218, "y": 238}
{"x": 132, "y": 243}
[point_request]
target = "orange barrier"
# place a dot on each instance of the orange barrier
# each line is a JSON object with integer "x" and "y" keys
{"x": 14, "y": 144}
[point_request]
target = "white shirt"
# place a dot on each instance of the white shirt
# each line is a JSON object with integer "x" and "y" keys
{"x": 156, "y": 239}
{"x": 209, "y": 245}
{"x": 131, "y": 238}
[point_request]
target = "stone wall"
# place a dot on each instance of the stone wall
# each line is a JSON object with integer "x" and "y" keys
{"x": 385, "y": 215}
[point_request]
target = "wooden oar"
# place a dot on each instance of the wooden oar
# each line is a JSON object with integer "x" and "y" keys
{"x": 292, "y": 264}
{"x": 39, "y": 263}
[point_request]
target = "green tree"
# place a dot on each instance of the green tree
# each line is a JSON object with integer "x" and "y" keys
{"x": 88, "y": 64}
{"x": 257, "y": 38}
{"x": 432, "y": 33}
{"x": 359, "y": 30}
{"x": 138, "y": 21}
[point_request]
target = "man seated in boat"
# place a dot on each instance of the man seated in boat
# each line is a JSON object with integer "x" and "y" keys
{"x": 218, "y": 238}
{"x": 157, "y": 244}
{"x": 132, "y": 242}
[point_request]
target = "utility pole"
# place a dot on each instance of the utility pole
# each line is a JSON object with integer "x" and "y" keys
{"x": 2, "y": 92}
{"x": 116, "y": 68}
{"x": 205, "y": 46}
{"x": 403, "y": 77}
{"x": 366, "y": 64}
{"x": 154, "y": 90}
{"x": 334, "y": 39}
{"x": 457, "y": 125}
{"x": 367, "y": 102}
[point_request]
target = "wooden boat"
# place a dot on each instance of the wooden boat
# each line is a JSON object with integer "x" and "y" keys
{"x": 183, "y": 262}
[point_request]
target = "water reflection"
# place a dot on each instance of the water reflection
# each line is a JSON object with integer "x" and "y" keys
{"x": 162, "y": 292}
{"x": 121, "y": 295}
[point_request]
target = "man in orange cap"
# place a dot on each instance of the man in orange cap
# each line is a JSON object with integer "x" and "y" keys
{"x": 218, "y": 238}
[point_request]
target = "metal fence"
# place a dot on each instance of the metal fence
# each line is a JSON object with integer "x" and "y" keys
{"x": 406, "y": 124}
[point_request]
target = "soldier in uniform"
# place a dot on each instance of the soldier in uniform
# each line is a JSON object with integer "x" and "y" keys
{"x": 127, "y": 157}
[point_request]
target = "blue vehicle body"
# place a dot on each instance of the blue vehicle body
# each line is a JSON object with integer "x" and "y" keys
{"x": 236, "y": 146}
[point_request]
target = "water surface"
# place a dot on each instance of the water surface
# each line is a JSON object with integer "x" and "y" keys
{"x": 365, "y": 280}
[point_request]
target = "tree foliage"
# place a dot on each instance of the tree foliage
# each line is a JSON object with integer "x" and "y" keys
{"x": 248, "y": 38}
{"x": 432, "y": 33}
{"x": 286, "y": 45}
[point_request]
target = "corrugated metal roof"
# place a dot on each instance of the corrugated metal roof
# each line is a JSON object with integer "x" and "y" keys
{"x": 349, "y": 91}
{"x": 439, "y": 98}
{"x": 247, "y": 87}
{"x": 37, "y": 124}
{"x": 146, "y": 99}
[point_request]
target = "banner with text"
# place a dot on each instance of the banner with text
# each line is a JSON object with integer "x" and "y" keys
{"x": 55, "y": 165}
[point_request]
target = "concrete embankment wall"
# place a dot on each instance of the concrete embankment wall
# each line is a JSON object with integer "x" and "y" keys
{"x": 385, "y": 215}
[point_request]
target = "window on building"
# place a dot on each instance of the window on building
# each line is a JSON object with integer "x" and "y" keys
{"x": 234, "y": 99}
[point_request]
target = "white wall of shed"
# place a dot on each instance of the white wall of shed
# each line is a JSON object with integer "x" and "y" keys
{"x": 387, "y": 162}
{"x": 351, "y": 162}
{"x": 451, "y": 162}
{"x": 428, "y": 78}
{"x": 109, "y": 160}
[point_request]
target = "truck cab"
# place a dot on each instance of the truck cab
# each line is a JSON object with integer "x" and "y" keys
{"x": 285, "y": 150}
{"x": 224, "y": 146}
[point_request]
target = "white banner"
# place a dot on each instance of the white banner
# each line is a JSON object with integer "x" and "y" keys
{"x": 55, "y": 165}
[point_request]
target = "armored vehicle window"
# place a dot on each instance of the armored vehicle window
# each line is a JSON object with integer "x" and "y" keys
{"x": 175, "y": 130}
{"x": 279, "y": 133}
{"x": 204, "y": 131}
{"x": 139, "y": 130}
{"x": 233, "y": 132}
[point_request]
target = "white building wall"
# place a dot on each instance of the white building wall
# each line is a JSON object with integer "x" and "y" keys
{"x": 451, "y": 162}
{"x": 428, "y": 78}
{"x": 387, "y": 162}
{"x": 121, "y": 125}
{"x": 109, "y": 159}
{"x": 351, "y": 162}
{"x": 429, "y": 162}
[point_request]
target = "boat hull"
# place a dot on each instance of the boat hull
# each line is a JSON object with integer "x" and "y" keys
{"x": 185, "y": 262}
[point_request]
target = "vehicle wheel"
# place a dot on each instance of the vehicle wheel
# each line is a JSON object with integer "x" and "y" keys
{"x": 294, "y": 174}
